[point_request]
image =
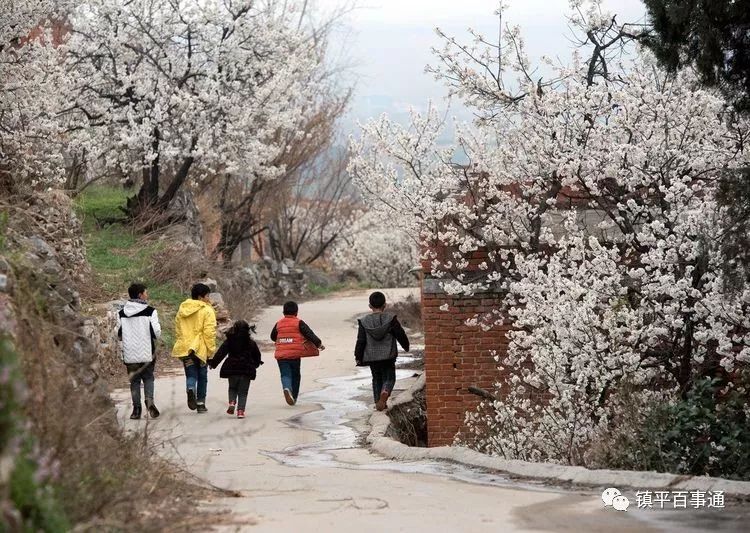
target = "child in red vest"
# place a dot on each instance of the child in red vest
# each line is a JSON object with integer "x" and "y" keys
{"x": 294, "y": 339}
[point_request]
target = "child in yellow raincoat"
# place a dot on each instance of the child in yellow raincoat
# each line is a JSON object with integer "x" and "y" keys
{"x": 195, "y": 343}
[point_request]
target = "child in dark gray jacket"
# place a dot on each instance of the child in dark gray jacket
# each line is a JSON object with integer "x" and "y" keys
{"x": 376, "y": 347}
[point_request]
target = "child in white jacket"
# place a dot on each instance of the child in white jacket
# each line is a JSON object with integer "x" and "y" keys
{"x": 138, "y": 328}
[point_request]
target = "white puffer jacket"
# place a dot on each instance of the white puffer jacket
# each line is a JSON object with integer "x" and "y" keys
{"x": 138, "y": 328}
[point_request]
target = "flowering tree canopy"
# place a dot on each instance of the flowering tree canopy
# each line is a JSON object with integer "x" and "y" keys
{"x": 377, "y": 250}
{"x": 19, "y": 17}
{"x": 29, "y": 96}
{"x": 170, "y": 90}
{"x": 594, "y": 194}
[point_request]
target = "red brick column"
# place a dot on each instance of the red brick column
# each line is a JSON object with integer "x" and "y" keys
{"x": 457, "y": 356}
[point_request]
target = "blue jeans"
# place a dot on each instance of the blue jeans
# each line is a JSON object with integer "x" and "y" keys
{"x": 290, "y": 375}
{"x": 196, "y": 376}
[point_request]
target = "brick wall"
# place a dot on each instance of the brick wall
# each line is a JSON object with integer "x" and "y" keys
{"x": 457, "y": 356}
{"x": 58, "y": 31}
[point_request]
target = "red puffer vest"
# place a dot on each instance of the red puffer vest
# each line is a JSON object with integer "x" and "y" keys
{"x": 290, "y": 344}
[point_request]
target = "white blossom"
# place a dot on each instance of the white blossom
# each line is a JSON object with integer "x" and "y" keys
{"x": 595, "y": 198}
{"x": 30, "y": 91}
{"x": 377, "y": 250}
{"x": 211, "y": 87}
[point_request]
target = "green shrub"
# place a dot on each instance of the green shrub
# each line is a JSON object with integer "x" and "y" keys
{"x": 9, "y": 409}
{"x": 34, "y": 503}
{"x": 706, "y": 433}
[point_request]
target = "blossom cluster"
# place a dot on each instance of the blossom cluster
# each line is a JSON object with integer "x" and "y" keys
{"x": 214, "y": 83}
{"x": 29, "y": 96}
{"x": 140, "y": 88}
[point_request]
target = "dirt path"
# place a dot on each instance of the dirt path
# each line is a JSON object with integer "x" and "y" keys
{"x": 290, "y": 483}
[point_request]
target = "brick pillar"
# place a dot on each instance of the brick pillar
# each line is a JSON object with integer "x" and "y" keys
{"x": 457, "y": 356}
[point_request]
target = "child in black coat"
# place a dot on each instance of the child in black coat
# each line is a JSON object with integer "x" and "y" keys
{"x": 243, "y": 358}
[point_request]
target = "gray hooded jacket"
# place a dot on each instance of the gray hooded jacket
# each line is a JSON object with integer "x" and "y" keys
{"x": 380, "y": 331}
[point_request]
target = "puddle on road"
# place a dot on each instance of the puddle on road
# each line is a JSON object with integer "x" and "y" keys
{"x": 340, "y": 406}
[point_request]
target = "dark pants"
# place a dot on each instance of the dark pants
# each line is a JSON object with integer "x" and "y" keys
{"x": 383, "y": 377}
{"x": 290, "y": 375}
{"x": 238, "y": 387}
{"x": 137, "y": 373}
{"x": 196, "y": 376}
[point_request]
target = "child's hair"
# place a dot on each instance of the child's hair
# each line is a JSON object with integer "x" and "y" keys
{"x": 240, "y": 328}
{"x": 199, "y": 290}
{"x": 136, "y": 289}
{"x": 291, "y": 308}
{"x": 377, "y": 300}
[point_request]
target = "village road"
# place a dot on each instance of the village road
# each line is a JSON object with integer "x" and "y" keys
{"x": 288, "y": 482}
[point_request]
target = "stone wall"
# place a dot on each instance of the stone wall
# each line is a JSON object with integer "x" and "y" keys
{"x": 41, "y": 276}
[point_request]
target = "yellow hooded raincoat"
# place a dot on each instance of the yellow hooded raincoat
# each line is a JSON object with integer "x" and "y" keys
{"x": 195, "y": 330}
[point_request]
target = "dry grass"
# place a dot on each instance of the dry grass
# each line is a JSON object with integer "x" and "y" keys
{"x": 104, "y": 479}
{"x": 409, "y": 313}
{"x": 242, "y": 302}
{"x": 182, "y": 266}
{"x": 178, "y": 265}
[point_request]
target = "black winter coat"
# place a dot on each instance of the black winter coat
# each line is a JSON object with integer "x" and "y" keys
{"x": 243, "y": 358}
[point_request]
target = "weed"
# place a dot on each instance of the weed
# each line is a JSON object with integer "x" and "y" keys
{"x": 100, "y": 203}
{"x": 322, "y": 290}
{"x": 31, "y": 506}
{"x": 704, "y": 434}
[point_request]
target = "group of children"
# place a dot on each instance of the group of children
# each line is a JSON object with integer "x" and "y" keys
{"x": 195, "y": 346}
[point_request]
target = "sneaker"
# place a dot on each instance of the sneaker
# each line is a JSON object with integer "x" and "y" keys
{"x": 136, "y": 414}
{"x": 202, "y": 408}
{"x": 380, "y": 405}
{"x": 288, "y": 397}
{"x": 153, "y": 412}
{"x": 230, "y": 409}
{"x": 240, "y": 413}
{"x": 192, "y": 404}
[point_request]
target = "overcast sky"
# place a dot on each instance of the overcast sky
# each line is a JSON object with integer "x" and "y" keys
{"x": 389, "y": 41}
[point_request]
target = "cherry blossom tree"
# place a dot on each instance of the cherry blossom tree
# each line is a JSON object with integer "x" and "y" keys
{"x": 314, "y": 211}
{"x": 28, "y": 96}
{"x": 377, "y": 250}
{"x": 594, "y": 196}
{"x": 250, "y": 205}
{"x": 176, "y": 91}
{"x": 20, "y": 17}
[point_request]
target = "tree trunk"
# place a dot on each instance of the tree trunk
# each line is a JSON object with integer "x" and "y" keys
{"x": 75, "y": 172}
{"x": 176, "y": 184}
{"x": 231, "y": 237}
{"x": 148, "y": 194}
